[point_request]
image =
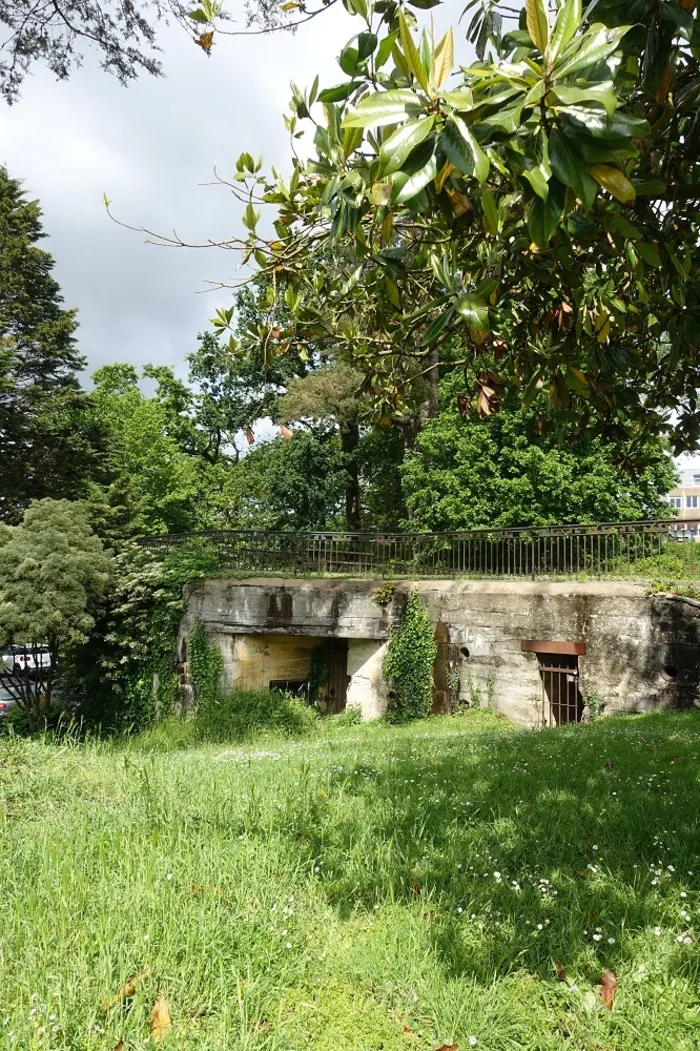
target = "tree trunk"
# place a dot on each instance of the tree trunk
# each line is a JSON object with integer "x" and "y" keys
{"x": 349, "y": 439}
{"x": 433, "y": 378}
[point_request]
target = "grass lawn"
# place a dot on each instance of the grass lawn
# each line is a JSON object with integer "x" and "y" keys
{"x": 368, "y": 888}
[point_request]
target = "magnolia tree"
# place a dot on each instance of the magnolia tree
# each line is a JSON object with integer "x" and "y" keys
{"x": 536, "y": 210}
{"x": 53, "y": 571}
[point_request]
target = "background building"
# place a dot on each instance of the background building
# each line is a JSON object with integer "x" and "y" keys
{"x": 685, "y": 498}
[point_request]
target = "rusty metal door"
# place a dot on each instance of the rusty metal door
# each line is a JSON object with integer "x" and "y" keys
{"x": 336, "y": 674}
{"x": 561, "y": 696}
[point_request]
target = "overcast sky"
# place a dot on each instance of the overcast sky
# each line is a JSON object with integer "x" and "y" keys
{"x": 149, "y": 147}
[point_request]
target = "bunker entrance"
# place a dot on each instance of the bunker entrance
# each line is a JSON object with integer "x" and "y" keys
{"x": 562, "y": 701}
{"x": 323, "y": 665}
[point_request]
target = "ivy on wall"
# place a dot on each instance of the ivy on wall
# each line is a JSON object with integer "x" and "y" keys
{"x": 408, "y": 665}
{"x": 205, "y": 664}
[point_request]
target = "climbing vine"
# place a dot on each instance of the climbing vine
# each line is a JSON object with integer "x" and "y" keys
{"x": 205, "y": 667}
{"x": 408, "y": 665}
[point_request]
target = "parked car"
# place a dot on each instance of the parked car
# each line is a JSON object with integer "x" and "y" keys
{"x": 20, "y": 658}
{"x": 7, "y": 703}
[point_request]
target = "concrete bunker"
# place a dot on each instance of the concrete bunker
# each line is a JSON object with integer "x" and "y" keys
{"x": 497, "y": 641}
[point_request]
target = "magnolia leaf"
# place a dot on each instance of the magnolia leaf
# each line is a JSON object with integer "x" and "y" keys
{"x": 602, "y": 325}
{"x": 198, "y": 15}
{"x": 614, "y": 181}
{"x": 411, "y": 52}
{"x": 543, "y": 216}
{"x": 490, "y": 212}
{"x": 649, "y": 187}
{"x": 649, "y": 254}
{"x": 397, "y": 147}
{"x": 160, "y": 1020}
{"x": 474, "y": 311}
{"x": 127, "y": 991}
{"x": 537, "y": 24}
{"x": 608, "y": 989}
{"x": 568, "y": 168}
{"x": 533, "y": 388}
{"x": 380, "y": 194}
{"x": 438, "y": 325}
{"x": 444, "y": 173}
{"x": 251, "y": 217}
{"x": 577, "y": 382}
{"x": 418, "y": 181}
{"x": 568, "y": 21}
{"x": 338, "y": 93}
{"x": 459, "y": 201}
{"x": 463, "y": 150}
{"x": 594, "y": 46}
{"x": 352, "y": 137}
{"x": 461, "y": 99}
{"x": 538, "y": 181}
{"x": 625, "y": 227}
{"x": 392, "y": 291}
{"x": 442, "y": 63}
{"x": 385, "y": 49}
{"x": 400, "y": 62}
{"x": 384, "y": 107}
{"x": 603, "y": 93}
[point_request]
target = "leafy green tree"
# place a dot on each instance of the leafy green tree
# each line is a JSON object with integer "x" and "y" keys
{"x": 540, "y": 204}
{"x": 469, "y": 472}
{"x": 332, "y": 393}
{"x": 298, "y": 483}
{"x": 47, "y": 440}
{"x": 53, "y": 573}
{"x": 158, "y": 484}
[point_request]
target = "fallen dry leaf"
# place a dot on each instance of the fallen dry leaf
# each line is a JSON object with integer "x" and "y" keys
{"x": 561, "y": 971}
{"x": 160, "y": 1019}
{"x": 608, "y": 988}
{"x": 449, "y": 1047}
{"x": 125, "y": 993}
{"x": 119, "y": 1046}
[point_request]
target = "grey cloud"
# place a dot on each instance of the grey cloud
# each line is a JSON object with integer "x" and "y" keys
{"x": 150, "y": 147}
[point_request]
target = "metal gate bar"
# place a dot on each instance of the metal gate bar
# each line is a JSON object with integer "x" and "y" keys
{"x": 561, "y": 697}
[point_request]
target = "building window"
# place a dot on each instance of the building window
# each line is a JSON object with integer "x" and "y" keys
{"x": 691, "y": 501}
{"x": 676, "y": 501}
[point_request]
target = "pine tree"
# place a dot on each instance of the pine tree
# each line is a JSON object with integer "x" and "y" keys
{"x": 45, "y": 445}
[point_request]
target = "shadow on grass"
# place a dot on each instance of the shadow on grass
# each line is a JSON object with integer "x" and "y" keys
{"x": 524, "y": 848}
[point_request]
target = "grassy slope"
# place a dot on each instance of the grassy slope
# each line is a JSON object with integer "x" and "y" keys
{"x": 342, "y": 893}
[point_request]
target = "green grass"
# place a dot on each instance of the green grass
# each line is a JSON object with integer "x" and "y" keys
{"x": 366, "y": 888}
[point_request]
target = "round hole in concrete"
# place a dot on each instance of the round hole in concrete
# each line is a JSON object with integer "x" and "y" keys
{"x": 669, "y": 671}
{"x": 464, "y": 651}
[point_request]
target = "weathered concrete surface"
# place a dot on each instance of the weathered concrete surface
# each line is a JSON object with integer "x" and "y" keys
{"x": 642, "y": 650}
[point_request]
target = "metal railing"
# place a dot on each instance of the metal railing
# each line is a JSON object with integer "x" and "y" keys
{"x": 638, "y": 550}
